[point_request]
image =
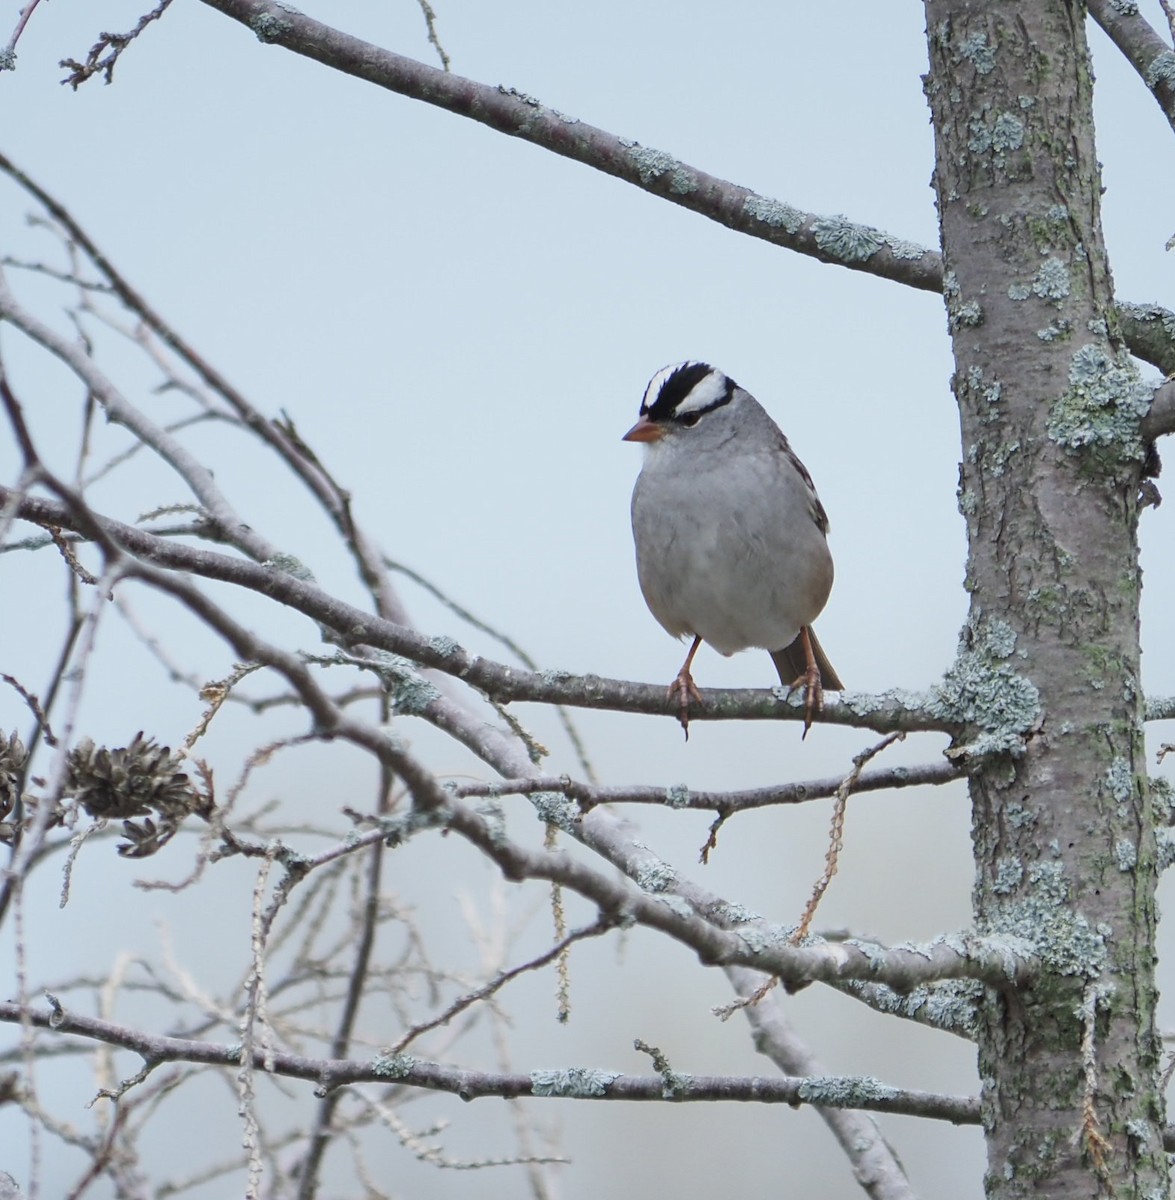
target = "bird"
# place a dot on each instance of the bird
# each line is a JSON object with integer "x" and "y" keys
{"x": 730, "y": 536}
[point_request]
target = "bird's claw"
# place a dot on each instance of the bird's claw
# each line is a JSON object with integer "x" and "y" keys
{"x": 813, "y": 695}
{"x": 681, "y": 691}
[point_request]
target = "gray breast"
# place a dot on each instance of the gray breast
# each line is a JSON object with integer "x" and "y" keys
{"x": 727, "y": 547}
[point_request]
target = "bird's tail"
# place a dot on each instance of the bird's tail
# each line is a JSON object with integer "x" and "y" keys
{"x": 791, "y": 663}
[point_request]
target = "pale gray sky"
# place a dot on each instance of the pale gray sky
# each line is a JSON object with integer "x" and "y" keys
{"x": 462, "y": 326}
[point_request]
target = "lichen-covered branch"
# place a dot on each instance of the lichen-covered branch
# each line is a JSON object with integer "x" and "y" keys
{"x": 1149, "y": 330}
{"x": 831, "y": 239}
{"x": 571, "y": 1083}
{"x": 751, "y": 943}
{"x": 1142, "y": 47}
{"x": 756, "y": 945}
{"x": 998, "y": 961}
{"x": 951, "y": 1006}
{"x": 875, "y": 1164}
{"x": 588, "y": 796}
{"x": 884, "y": 713}
{"x": 1161, "y": 418}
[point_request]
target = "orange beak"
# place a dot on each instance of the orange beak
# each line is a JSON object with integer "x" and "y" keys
{"x": 644, "y": 431}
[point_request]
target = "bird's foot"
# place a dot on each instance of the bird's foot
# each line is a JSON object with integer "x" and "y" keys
{"x": 813, "y": 695}
{"x": 681, "y": 691}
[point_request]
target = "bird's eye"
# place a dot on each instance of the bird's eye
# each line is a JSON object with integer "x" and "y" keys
{"x": 689, "y": 419}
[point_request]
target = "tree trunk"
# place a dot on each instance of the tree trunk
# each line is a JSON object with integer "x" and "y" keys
{"x": 1048, "y": 670}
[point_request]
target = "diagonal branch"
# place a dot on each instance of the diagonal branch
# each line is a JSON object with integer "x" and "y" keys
{"x": 1143, "y": 48}
{"x": 875, "y": 1164}
{"x": 994, "y": 960}
{"x": 119, "y": 411}
{"x": 997, "y": 961}
{"x": 280, "y": 436}
{"x": 831, "y": 239}
{"x": 599, "y": 926}
{"x": 883, "y": 713}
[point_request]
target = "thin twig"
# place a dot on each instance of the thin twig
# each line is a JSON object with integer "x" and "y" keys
{"x": 836, "y": 834}
{"x": 8, "y": 54}
{"x": 595, "y": 929}
{"x": 320, "y": 1134}
{"x": 106, "y": 51}
{"x": 503, "y": 639}
{"x": 430, "y": 21}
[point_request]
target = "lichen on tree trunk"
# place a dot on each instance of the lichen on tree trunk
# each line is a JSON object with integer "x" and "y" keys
{"x": 1049, "y": 406}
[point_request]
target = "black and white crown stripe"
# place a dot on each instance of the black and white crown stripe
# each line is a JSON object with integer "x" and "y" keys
{"x": 686, "y": 390}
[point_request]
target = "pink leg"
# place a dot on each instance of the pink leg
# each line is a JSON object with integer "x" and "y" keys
{"x": 683, "y": 689}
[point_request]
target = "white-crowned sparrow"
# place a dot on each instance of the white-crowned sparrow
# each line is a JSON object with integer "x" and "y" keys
{"x": 730, "y": 534}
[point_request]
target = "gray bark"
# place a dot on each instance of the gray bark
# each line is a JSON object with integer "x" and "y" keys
{"x": 1052, "y": 461}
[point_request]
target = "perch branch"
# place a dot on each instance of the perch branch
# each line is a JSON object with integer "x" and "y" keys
{"x": 883, "y": 713}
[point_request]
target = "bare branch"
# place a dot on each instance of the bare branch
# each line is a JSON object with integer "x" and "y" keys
{"x": 39, "y": 268}
{"x": 358, "y": 978}
{"x": 595, "y": 929}
{"x": 830, "y": 239}
{"x": 8, "y": 54}
{"x": 34, "y": 706}
{"x": 280, "y": 436}
{"x": 836, "y": 1091}
{"x": 505, "y": 640}
{"x": 430, "y": 21}
{"x": 996, "y": 961}
{"x": 119, "y": 410}
{"x": 1143, "y": 48}
{"x": 1161, "y": 418}
{"x": 884, "y": 714}
{"x": 107, "y": 50}
{"x": 874, "y": 1161}
{"x": 588, "y": 796}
